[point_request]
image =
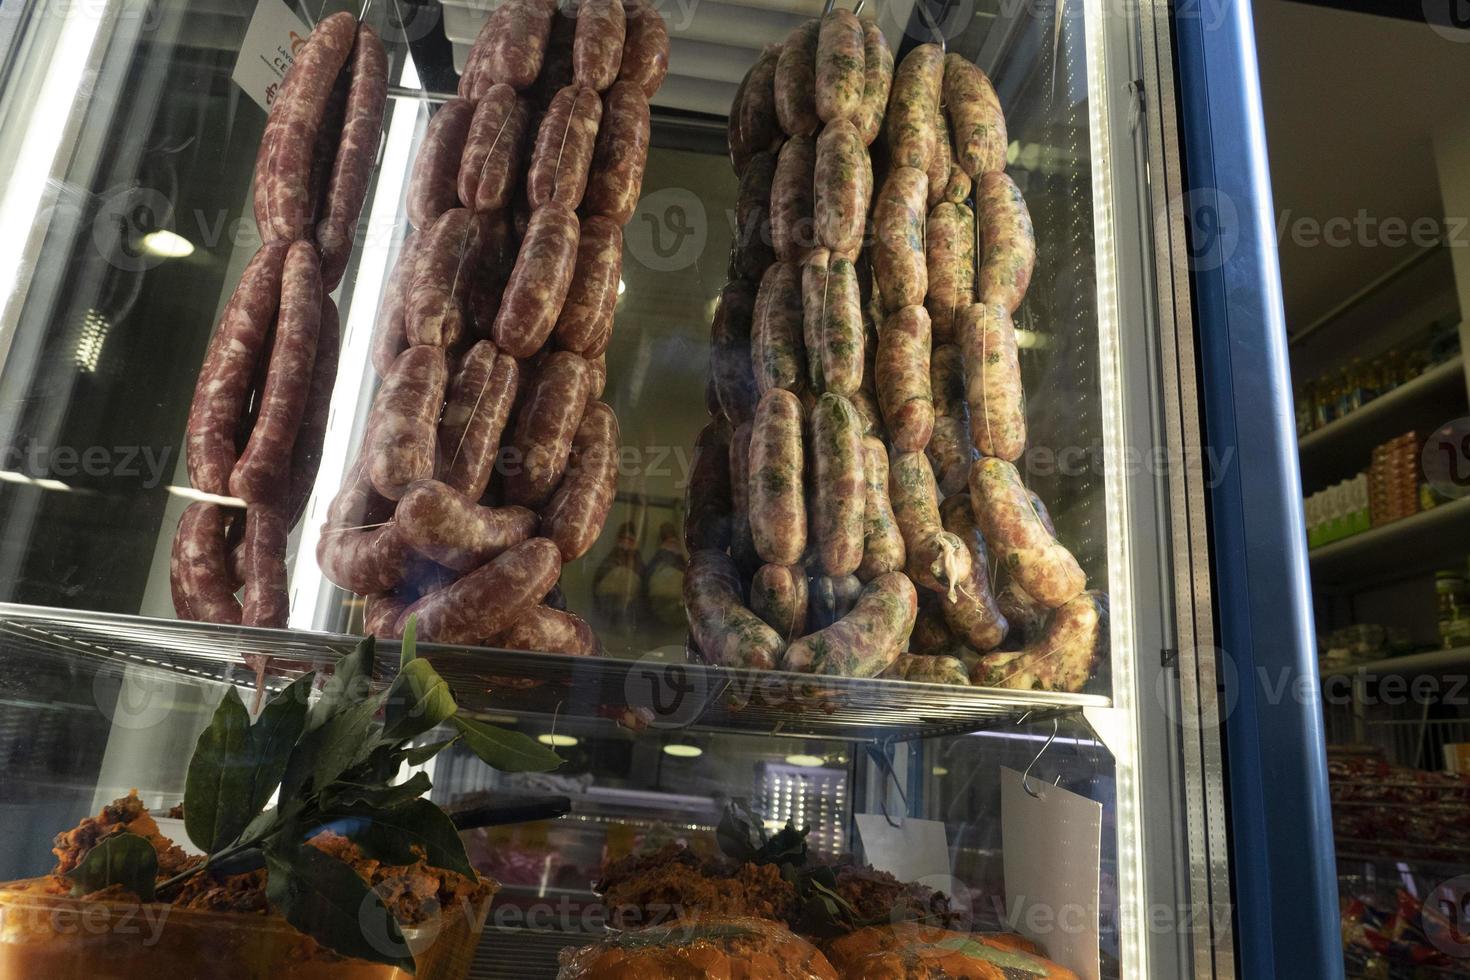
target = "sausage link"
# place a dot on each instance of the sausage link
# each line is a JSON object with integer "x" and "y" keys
{"x": 977, "y": 125}
{"x": 263, "y": 473}
{"x": 726, "y": 632}
{"x": 958, "y": 188}
{"x": 539, "y": 282}
{"x": 1026, "y": 616}
{"x": 840, "y": 505}
{"x": 264, "y": 600}
{"x": 380, "y": 612}
{"x": 814, "y": 308}
{"x": 830, "y": 599}
{"x": 489, "y": 600}
{"x": 1063, "y": 658}
{"x": 548, "y": 630}
{"x": 951, "y": 267}
{"x": 556, "y": 64}
{"x": 646, "y": 50}
{"x": 778, "y": 595}
{"x": 306, "y": 451}
{"x": 973, "y": 616}
{"x": 621, "y": 154}
{"x": 437, "y": 301}
{"x": 840, "y": 79}
{"x": 883, "y": 547}
{"x": 877, "y": 80}
{"x": 912, "y": 107}
{"x": 898, "y": 239}
{"x": 730, "y": 358}
{"x": 793, "y": 199}
{"x": 565, "y": 142}
{"x": 594, "y": 290}
{"x": 399, "y": 445}
{"x": 866, "y": 403}
{"x": 950, "y": 454}
{"x": 776, "y": 348}
{"x": 934, "y": 558}
{"x": 238, "y": 346}
{"x": 707, "y": 502}
{"x": 545, "y": 427}
{"x": 755, "y": 123}
{"x": 598, "y": 367}
{"x": 742, "y": 543}
{"x": 841, "y": 347}
{"x": 580, "y": 506}
{"x": 752, "y": 251}
{"x": 868, "y": 639}
{"x": 940, "y": 161}
{"x": 1007, "y": 241}
{"x": 947, "y": 381}
{"x": 929, "y": 670}
{"x": 496, "y": 259}
{"x": 515, "y": 42}
{"x": 449, "y": 528}
{"x": 433, "y": 186}
{"x": 198, "y": 573}
{"x": 285, "y": 183}
{"x": 356, "y": 155}
{"x": 777, "y": 501}
{"x": 993, "y": 381}
{"x": 493, "y": 148}
{"x": 597, "y": 51}
{"x": 357, "y": 550}
{"x": 796, "y": 81}
{"x": 843, "y": 180}
{"x": 931, "y": 635}
{"x": 902, "y": 370}
{"x": 478, "y": 405}
{"x": 389, "y": 332}
{"x": 1032, "y": 557}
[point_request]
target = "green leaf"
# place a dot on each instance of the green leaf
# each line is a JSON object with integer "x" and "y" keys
{"x": 219, "y": 786}
{"x": 1003, "y": 958}
{"x": 345, "y": 740}
{"x": 325, "y": 899}
{"x": 739, "y": 834}
{"x": 504, "y": 750}
{"x": 420, "y": 754}
{"x": 122, "y": 859}
{"x": 391, "y": 835}
{"x": 349, "y": 685}
{"x": 382, "y": 797}
{"x": 407, "y": 647}
{"x": 274, "y": 734}
{"x": 418, "y": 701}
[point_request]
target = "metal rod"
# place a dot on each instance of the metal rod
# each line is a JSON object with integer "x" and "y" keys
{"x": 1368, "y": 290}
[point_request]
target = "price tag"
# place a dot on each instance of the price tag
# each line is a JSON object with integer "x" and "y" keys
{"x": 271, "y": 42}
{"x": 1051, "y": 846}
{"x": 914, "y": 850}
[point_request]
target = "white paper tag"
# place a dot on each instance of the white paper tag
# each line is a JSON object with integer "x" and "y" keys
{"x": 271, "y": 42}
{"x": 1051, "y": 848}
{"x": 915, "y": 850}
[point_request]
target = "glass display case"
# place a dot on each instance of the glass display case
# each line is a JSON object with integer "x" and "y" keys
{"x": 139, "y": 160}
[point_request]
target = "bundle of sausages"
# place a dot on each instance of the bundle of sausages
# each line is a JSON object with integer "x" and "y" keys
{"x": 494, "y": 323}
{"x": 259, "y": 414}
{"x": 865, "y": 389}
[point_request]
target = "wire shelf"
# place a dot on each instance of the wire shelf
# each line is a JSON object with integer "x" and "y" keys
{"x": 651, "y": 692}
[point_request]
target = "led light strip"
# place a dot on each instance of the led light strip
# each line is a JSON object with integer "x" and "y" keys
{"x": 1132, "y": 950}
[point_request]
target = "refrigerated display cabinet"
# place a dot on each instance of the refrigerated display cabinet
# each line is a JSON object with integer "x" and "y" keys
{"x": 1160, "y": 437}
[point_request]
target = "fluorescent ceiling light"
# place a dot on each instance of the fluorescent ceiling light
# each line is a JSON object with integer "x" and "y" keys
{"x": 167, "y": 244}
{"x": 681, "y": 751}
{"x": 806, "y": 761}
{"x": 557, "y": 741}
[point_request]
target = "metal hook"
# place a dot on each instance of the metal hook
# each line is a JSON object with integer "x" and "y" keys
{"x": 1056, "y": 726}
{"x": 827, "y": 7}
{"x": 858, "y": 7}
{"x": 879, "y": 755}
{"x": 928, "y": 18}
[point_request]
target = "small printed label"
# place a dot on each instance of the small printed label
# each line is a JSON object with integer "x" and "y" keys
{"x": 271, "y": 42}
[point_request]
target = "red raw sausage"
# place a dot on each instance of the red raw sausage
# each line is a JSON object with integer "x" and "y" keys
{"x": 490, "y": 164}
{"x": 545, "y": 427}
{"x": 437, "y": 300}
{"x": 433, "y": 186}
{"x": 594, "y": 290}
{"x": 306, "y": 452}
{"x": 539, "y": 282}
{"x": 380, "y": 612}
{"x": 597, "y": 47}
{"x": 265, "y": 601}
{"x": 515, "y": 42}
{"x": 565, "y": 141}
{"x": 547, "y": 630}
{"x": 490, "y": 599}
{"x": 389, "y": 339}
{"x": 399, "y": 444}
{"x": 646, "y": 50}
{"x": 479, "y": 402}
{"x": 497, "y": 257}
{"x": 577, "y": 511}
{"x": 357, "y": 550}
{"x": 198, "y": 573}
{"x": 352, "y": 169}
{"x": 620, "y": 155}
{"x": 444, "y": 525}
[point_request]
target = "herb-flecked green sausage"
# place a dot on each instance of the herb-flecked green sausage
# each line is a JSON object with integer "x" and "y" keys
{"x": 931, "y": 633}
{"x": 912, "y": 107}
{"x": 777, "y": 500}
{"x": 929, "y": 670}
{"x": 898, "y": 239}
{"x": 727, "y": 633}
{"x": 977, "y": 125}
{"x": 950, "y": 454}
{"x": 840, "y": 65}
{"x": 951, "y": 265}
{"x": 796, "y": 81}
{"x": 742, "y": 545}
{"x": 751, "y": 251}
{"x": 777, "y": 347}
{"x": 729, "y": 354}
{"x": 1031, "y": 556}
{"x": 877, "y": 80}
{"x": 865, "y": 641}
{"x": 830, "y": 599}
{"x": 813, "y": 306}
{"x": 843, "y": 178}
{"x": 778, "y": 595}
{"x": 993, "y": 381}
{"x": 866, "y": 403}
{"x": 958, "y": 187}
{"x": 1063, "y": 658}
{"x": 707, "y": 502}
{"x": 883, "y": 549}
{"x": 940, "y": 161}
{"x": 1026, "y": 616}
{"x": 793, "y": 223}
{"x": 902, "y": 371}
{"x": 753, "y": 113}
{"x": 1007, "y": 241}
{"x": 947, "y": 381}
{"x": 841, "y": 347}
{"x": 974, "y": 616}
{"x": 935, "y": 559}
{"x": 837, "y": 451}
